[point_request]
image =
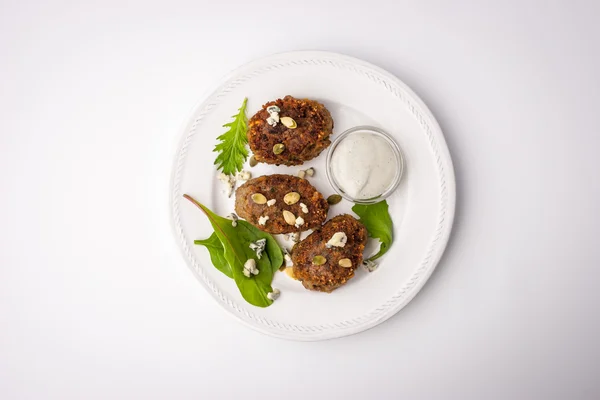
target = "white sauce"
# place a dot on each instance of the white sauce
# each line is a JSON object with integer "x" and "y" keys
{"x": 364, "y": 165}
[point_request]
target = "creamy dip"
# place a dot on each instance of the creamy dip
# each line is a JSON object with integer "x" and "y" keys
{"x": 364, "y": 165}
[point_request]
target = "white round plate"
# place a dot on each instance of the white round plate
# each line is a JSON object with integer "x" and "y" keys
{"x": 422, "y": 208}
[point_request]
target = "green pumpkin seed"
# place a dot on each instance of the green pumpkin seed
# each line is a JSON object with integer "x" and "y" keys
{"x": 291, "y": 198}
{"x": 259, "y": 198}
{"x": 334, "y": 199}
{"x": 345, "y": 262}
{"x": 278, "y": 148}
{"x": 288, "y": 122}
{"x": 253, "y": 162}
{"x": 319, "y": 260}
{"x": 289, "y": 217}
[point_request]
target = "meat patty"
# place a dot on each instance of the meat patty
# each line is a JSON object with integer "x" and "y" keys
{"x": 250, "y": 203}
{"x": 330, "y": 275}
{"x": 303, "y": 143}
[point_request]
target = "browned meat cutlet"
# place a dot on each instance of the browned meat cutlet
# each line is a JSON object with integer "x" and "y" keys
{"x": 303, "y": 143}
{"x": 276, "y": 187}
{"x": 330, "y": 275}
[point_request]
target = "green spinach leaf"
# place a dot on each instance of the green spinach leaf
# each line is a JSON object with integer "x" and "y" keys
{"x": 376, "y": 218}
{"x": 215, "y": 249}
{"x": 236, "y": 251}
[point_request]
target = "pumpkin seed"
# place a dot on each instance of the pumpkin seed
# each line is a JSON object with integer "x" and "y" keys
{"x": 288, "y": 122}
{"x": 278, "y": 148}
{"x": 345, "y": 262}
{"x": 319, "y": 260}
{"x": 259, "y": 198}
{"x": 291, "y": 198}
{"x": 334, "y": 199}
{"x": 253, "y": 162}
{"x": 289, "y": 217}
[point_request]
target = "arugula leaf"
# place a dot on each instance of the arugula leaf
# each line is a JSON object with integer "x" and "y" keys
{"x": 215, "y": 249}
{"x": 376, "y": 218}
{"x": 232, "y": 147}
{"x": 235, "y": 241}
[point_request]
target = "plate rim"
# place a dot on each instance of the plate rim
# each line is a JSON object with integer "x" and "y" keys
{"x": 419, "y": 277}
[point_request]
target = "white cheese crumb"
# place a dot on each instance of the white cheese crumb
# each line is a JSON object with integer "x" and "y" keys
{"x": 271, "y": 202}
{"x": 273, "y": 119}
{"x": 294, "y": 237}
{"x": 223, "y": 178}
{"x": 234, "y": 219}
{"x": 304, "y": 208}
{"x": 287, "y": 257}
{"x": 370, "y": 265}
{"x": 250, "y": 268}
{"x": 288, "y": 260}
{"x": 243, "y": 176}
{"x": 273, "y": 115}
{"x": 299, "y": 222}
{"x": 258, "y": 247}
{"x": 338, "y": 239}
{"x": 263, "y": 219}
{"x": 228, "y": 180}
{"x": 273, "y": 295}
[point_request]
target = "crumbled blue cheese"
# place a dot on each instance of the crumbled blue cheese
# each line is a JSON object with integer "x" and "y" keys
{"x": 369, "y": 265}
{"x": 262, "y": 220}
{"x": 271, "y": 202}
{"x": 273, "y": 118}
{"x": 338, "y": 239}
{"x": 243, "y": 176}
{"x": 258, "y": 247}
{"x": 304, "y": 208}
{"x": 234, "y": 219}
{"x": 250, "y": 268}
{"x": 228, "y": 180}
{"x": 294, "y": 237}
{"x": 274, "y": 295}
{"x": 272, "y": 121}
{"x": 299, "y": 222}
{"x": 287, "y": 257}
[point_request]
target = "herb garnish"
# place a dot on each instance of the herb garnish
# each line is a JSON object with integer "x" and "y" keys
{"x": 232, "y": 147}
{"x": 235, "y": 252}
{"x": 377, "y": 220}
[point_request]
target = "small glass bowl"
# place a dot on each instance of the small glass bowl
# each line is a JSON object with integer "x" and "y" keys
{"x": 376, "y": 132}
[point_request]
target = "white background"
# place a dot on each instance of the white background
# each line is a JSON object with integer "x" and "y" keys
{"x": 96, "y": 301}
